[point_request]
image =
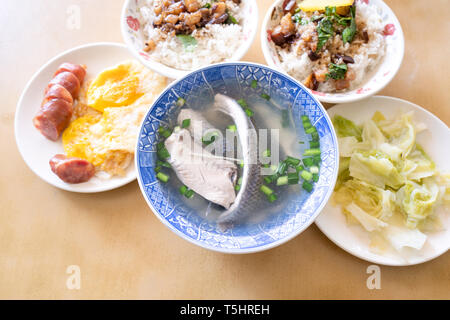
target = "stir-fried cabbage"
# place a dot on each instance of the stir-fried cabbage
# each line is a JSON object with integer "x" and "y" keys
{"x": 375, "y": 168}
{"x": 387, "y": 182}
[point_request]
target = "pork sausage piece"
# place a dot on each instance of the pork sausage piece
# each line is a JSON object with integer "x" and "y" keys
{"x": 57, "y": 106}
{"x": 72, "y": 170}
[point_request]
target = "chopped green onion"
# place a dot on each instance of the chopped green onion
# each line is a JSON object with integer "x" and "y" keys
{"x": 315, "y": 177}
{"x": 267, "y": 153}
{"x": 281, "y": 181}
{"x": 308, "y": 162}
{"x": 254, "y": 84}
{"x": 272, "y": 197}
{"x": 299, "y": 168}
{"x": 232, "y": 128}
{"x": 292, "y": 178}
{"x": 317, "y": 160}
{"x": 163, "y": 154}
{"x": 157, "y": 169}
{"x": 159, "y": 145}
{"x": 237, "y": 187}
{"x": 265, "y": 96}
{"x": 311, "y": 152}
{"x": 249, "y": 112}
{"x": 210, "y": 137}
{"x": 241, "y": 163}
{"x": 282, "y": 168}
{"x": 307, "y": 186}
{"x": 180, "y": 102}
{"x": 315, "y": 136}
{"x": 164, "y": 132}
{"x": 266, "y": 190}
{"x": 307, "y": 125}
{"x": 314, "y": 169}
{"x": 207, "y": 5}
{"x": 314, "y": 144}
{"x": 266, "y": 165}
{"x": 231, "y": 19}
{"x": 163, "y": 177}
{"x": 189, "y": 194}
{"x": 183, "y": 189}
{"x": 293, "y": 162}
{"x": 310, "y": 130}
{"x": 163, "y": 164}
{"x": 186, "y": 123}
{"x": 242, "y": 103}
{"x": 267, "y": 179}
{"x": 305, "y": 118}
{"x": 306, "y": 175}
{"x": 239, "y": 182}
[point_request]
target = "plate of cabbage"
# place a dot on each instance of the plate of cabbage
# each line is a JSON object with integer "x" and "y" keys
{"x": 391, "y": 202}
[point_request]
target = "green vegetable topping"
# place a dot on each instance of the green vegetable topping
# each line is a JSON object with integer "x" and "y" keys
{"x": 349, "y": 33}
{"x": 325, "y": 31}
{"x": 231, "y": 19}
{"x": 162, "y": 177}
{"x": 242, "y": 103}
{"x": 180, "y": 102}
{"x": 307, "y": 186}
{"x": 183, "y": 189}
{"x": 186, "y": 123}
{"x": 254, "y": 84}
{"x": 306, "y": 175}
{"x": 281, "y": 181}
{"x": 266, "y": 190}
{"x": 189, "y": 194}
{"x": 272, "y": 197}
{"x": 265, "y": 96}
{"x": 189, "y": 42}
{"x": 164, "y": 132}
{"x": 336, "y": 71}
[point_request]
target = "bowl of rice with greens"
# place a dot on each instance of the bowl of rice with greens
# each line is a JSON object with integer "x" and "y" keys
{"x": 342, "y": 50}
{"x": 174, "y": 37}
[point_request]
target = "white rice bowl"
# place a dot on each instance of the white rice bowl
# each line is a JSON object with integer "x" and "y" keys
{"x": 215, "y": 42}
{"x": 367, "y": 58}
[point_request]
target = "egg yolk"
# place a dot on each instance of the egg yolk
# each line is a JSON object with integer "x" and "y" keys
{"x": 76, "y": 139}
{"x": 114, "y": 87}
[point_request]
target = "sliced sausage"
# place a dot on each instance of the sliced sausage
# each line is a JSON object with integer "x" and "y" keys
{"x": 78, "y": 70}
{"x": 72, "y": 170}
{"x": 57, "y": 91}
{"x": 68, "y": 80}
{"x": 53, "y": 117}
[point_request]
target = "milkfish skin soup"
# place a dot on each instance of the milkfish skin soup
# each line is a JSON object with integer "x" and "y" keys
{"x": 236, "y": 161}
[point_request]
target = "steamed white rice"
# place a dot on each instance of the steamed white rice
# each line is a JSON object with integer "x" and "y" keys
{"x": 215, "y": 42}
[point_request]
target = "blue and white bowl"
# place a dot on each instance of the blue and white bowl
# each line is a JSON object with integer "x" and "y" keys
{"x": 235, "y": 79}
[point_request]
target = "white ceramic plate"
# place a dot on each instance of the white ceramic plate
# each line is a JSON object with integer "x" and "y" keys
{"x": 435, "y": 140}
{"x": 134, "y": 37}
{"x": 35, "y": 149}
{"x": 376, "y": 80}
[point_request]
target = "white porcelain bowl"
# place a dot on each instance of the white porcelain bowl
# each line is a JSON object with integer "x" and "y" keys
{"x": 379, "y": 78}
{"x": 133, "y": 35}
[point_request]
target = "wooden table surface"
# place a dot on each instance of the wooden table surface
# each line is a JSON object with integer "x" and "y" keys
{"x": 123, "y": 251}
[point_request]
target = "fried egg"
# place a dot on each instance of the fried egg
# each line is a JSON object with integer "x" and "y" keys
{"x": 121, "y": 96}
